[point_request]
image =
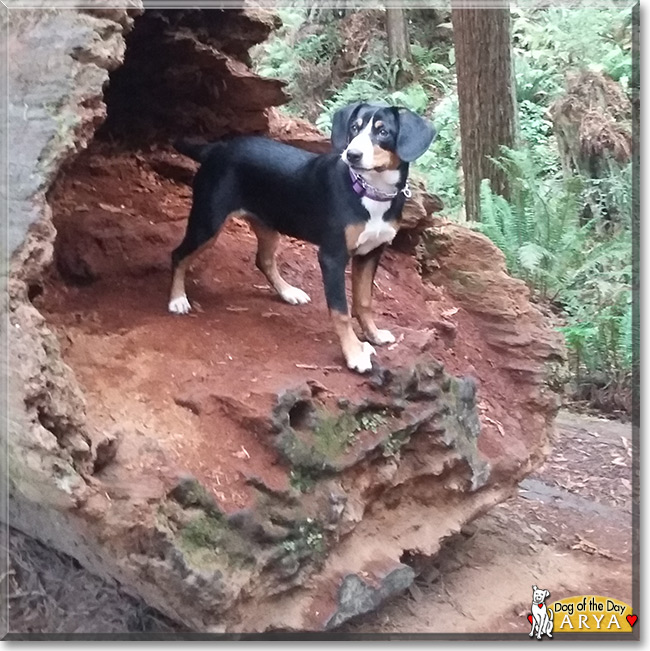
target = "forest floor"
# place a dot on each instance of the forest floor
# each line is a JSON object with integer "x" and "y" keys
{"x": 569, "y": 531}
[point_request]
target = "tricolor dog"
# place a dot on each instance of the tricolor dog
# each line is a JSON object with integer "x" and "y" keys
{"x": 542, "y": 616}
{"x": 348, "y": 203}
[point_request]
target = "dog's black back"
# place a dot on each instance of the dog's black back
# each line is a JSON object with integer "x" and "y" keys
{"x": 297, "y": 193}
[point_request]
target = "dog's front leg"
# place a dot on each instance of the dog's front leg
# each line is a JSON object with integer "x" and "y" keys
{"x": 357, "y": 353}
{"x": 532, "y": 627}
{"x": 364, "y": 268}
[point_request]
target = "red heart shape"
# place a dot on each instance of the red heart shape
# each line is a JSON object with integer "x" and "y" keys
{"x": 631, "y": 619}
{"x": 530, "y": 618}
{"x": 541, "y": 605}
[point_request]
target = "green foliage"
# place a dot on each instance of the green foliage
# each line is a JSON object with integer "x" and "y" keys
{"x": 597, "y": 301}
{"x": 556, "y": 39}
{"x": 584, "y": 272}
{"x": 302, "y": 479}
{"x": 538, "y": 231}
{"x": 208, "y": 539}
{"x": 302, "y": 60}
{"x": 440, "y": 165}
{"x": 307, "y": 539}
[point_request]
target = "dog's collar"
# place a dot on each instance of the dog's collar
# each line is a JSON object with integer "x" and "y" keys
{"x": 364, "y": 189}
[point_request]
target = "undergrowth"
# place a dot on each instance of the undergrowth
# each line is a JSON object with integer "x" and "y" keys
{"x": 580, "y": 269}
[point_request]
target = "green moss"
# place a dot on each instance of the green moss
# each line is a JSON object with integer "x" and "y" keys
{"x": 330, "y": 438}
{"x": 307, "y": 539}
{"x": 334, "y": 433}
{"x": 391, "y": 446}
{"x": 190, "y": 493}
{"x": 208, "y": 541}
{"x": 302, "y": 479}
{"x": 205, "y": 531}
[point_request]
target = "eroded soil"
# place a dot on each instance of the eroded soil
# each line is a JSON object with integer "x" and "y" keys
{"x": 569, "y": 540}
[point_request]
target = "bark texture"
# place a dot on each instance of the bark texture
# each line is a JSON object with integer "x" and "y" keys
{"x": 398, "y": 40}
{"x": 486, "y": 97}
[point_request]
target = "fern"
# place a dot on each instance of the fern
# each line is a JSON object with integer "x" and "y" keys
{"x": 585, "y": 273}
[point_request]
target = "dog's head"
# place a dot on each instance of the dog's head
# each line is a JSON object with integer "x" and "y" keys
{"x": 379, "y": 137}
{"x": 539, "y": 595}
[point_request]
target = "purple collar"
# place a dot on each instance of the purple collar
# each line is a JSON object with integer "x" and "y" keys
{"x": 364, "y": 189}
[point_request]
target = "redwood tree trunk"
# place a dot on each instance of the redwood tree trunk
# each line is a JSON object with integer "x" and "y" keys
{"x": 398, "y": 40}
{"x": 399, "y": 49}
{"x": 486, "y": 97}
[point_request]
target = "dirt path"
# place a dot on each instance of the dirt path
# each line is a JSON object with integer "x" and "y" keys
{"x": 569, "y": 530}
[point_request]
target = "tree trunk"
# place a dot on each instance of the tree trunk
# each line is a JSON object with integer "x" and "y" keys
{"x": 486, "y": 97}
{"x": 399, "y": 49}
{"x": 398, "y": 40}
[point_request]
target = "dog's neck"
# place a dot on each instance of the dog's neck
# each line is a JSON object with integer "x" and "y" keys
{"x": 387, "y": 181}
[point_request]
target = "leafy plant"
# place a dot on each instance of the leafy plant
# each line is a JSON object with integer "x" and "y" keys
{"x": 538, "y": 231}
{"x": 306, "y": 539}
{"x": 584, "y": 273}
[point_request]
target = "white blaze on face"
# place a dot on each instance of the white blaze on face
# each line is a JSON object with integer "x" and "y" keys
{"x": 362, "y": 143}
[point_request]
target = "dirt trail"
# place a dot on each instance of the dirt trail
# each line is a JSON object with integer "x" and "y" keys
{"x": 569, "y": 530}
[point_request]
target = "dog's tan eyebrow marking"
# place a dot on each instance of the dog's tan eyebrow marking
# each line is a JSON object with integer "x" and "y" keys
{"x": 359, "y": 122}
{"x": 379, "y": 124}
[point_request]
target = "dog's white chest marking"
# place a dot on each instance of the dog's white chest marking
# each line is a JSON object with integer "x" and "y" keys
{"x": 377, "y": 231}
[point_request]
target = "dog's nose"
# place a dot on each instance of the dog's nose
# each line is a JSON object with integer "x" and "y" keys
{"x": 354, "y": 155}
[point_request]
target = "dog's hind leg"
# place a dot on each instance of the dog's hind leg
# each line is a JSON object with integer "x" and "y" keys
{"x": 182, "y": 257}
{"x": 267, "y": 244}
{"x": 208, "y": 214}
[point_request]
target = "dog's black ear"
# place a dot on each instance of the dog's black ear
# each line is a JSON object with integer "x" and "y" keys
{"x": 415, "y": 135}
{"x": 548, "y": 594}
{"x": 340, "y": 125}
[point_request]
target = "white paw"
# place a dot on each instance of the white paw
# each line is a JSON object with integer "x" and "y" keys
{"x": 361, "y": 362}
{"x": 384, "y": 337}
{"x": 295, "y": 296}
{"x": 179, "y": 305}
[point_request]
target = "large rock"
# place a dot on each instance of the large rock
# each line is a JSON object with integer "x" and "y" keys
{"x": 225, "y": 466}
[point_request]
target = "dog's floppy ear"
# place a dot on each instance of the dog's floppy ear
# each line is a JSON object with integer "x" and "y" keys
{"x": 340, "y": 124}
{"x": 534, "y": 587}
{"x": 415, "y": 135}
{"x": 548, "y": 594}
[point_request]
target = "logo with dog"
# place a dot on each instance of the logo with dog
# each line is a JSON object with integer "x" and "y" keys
{"x": 541, "y": 616}
{"x": 580, "y": 614}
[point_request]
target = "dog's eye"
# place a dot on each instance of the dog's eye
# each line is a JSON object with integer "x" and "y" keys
{"x": 354, "y": 128}
{"x": 383, "y": 133}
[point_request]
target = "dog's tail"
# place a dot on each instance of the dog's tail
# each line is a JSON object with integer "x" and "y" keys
{"x": 198, "y": 150}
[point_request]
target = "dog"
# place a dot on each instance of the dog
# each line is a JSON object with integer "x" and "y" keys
{"x": 348, "y": 203}
{"x": 542, "y": 616}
